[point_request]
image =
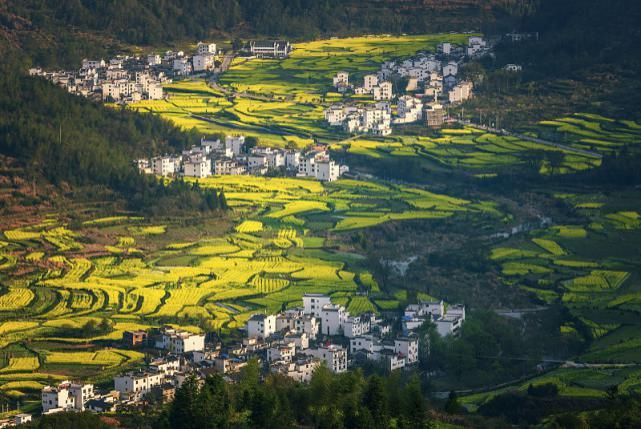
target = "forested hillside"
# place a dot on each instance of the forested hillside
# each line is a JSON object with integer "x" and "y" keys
{"x": 586, "y": 59}
{"x": 65, "y": 138}
{"x": 44, "y": 27}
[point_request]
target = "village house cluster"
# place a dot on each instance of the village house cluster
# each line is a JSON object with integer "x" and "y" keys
{"x": 233, "y": 157}
{"x": 121, "y": 79}
{"x": 428, "y": 77}
{"x": 129, "y": 79}
{"x": 448, "y": 320}
{"x": 293, "y": 343}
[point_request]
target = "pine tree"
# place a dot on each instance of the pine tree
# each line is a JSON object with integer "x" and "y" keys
{"x": 376, "y": 401}
{"x": 222, "y": 201}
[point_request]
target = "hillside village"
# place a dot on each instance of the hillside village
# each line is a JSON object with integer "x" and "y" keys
{"x": 433, "y": 83}
{"x": 129, "y": 79}
{"x": 234, "y": 157}
{"x": 293, "y": 343}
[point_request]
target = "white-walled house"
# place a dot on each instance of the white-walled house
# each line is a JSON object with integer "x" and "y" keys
{"x": 355, "y": 326}
{"x": 93, "y": 64}
{"x": 476, "y": 45}
{"x": 444, "y": 48}
{"x": 284, "y": 351}
{"x": 383, "y": 91}
{"x": 334, "y": 356}
{"x": 327, "y": 171}
{"x": 318, "y": 164}
{"x": 257, "y": 162}
{"x": 313, "y": 303}
{"x": 333, "y": 317}
{"x": 335, "y": 115}
{"x": 434, "y": 309}
{"x": 292, "y": 159}
{"x": 261, "y": 326}
{"x": 341, "y": 81}
{"x": 270, "y": 48}
{"x": 198, "y": 166}
{"x": 409, "y": 109}
{"x": 407, "y": 347}
{"x": 235, "y": 143}
{"x": 203, "y": 62}
{"x": 155, "y": 91}
{"x": 182, "y": 66}
{"x": 365, "y": 343}
{"x": 460, "y": 92}
{"x": 228, "y": 167}
{"x": 136, "y": 384}
{"x": 22, "y": 418}
{"x": 205, "y": 48}
{"x": 448, "y": 325}
{"x": 300, "y": 370}
{"x": 451, "y": 69}
{"x": 177, "y": 341}
{"x": 300, "y": 340}
{"x": 167, "y": 366}
{"x": 66, "y": 396}
{"x": 392, "y": 360}
{"x": 154, "y": 60}
{"x": 369, "y": 82}
{"x": 448, "y": 320}
{"x": 163, "y": 165}
{"x": 299, "y": 322}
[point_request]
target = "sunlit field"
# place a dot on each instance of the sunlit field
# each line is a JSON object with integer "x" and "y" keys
{"x": 272, "y": 254}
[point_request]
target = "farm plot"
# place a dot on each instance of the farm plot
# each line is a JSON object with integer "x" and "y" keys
{"x": 593, "y": 132}
{"x": 15, "y": 299}
{"x": 21, "y": 364}
{"x": 473, "y": 149}
{"x": 105, "y": 358}
{"x": 291, "y": 91}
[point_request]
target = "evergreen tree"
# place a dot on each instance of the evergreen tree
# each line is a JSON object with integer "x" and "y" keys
{"x": 222, "y": 201}
{"x": 375, "y": 400}
{"x": 184, "y": 411}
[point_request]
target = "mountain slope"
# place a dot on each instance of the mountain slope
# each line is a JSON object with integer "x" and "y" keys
{"x": 56, "y": 32}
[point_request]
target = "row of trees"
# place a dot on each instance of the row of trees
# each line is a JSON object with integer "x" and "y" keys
{"x": 348, "y": 400}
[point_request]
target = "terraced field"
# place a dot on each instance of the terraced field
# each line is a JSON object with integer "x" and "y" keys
{"x": 282, "y": 103}
{"x": 593, "y": 132}
{"x": 271, "y": 255}
{"x": 290, "y": 94}
{"x": 592, "y": 269}
{"x": 474, "y": 150}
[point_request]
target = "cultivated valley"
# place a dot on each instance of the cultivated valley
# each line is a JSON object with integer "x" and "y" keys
{"x": 357, "y": 224}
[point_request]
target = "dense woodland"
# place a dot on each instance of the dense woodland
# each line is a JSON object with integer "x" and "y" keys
{"x": 349, "y": 400}
{"x": 159, "y": 21}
